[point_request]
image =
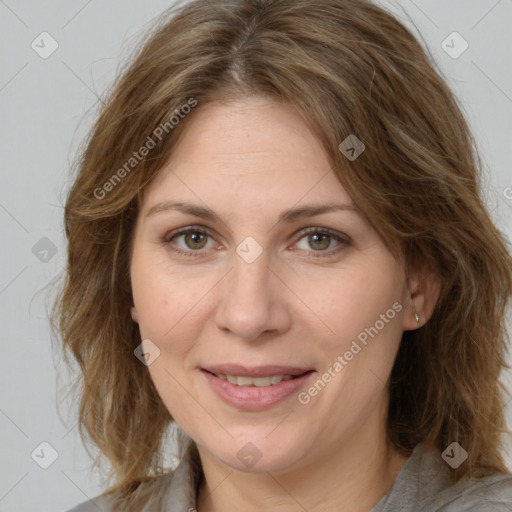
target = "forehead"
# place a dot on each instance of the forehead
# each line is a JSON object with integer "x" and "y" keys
{"x": 255, "y": 149}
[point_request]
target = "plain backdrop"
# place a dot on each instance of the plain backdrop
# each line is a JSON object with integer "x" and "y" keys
{"x": 46, "y": 107}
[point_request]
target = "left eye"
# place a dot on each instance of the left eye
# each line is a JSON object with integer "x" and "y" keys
{"x": 319, "y": 241}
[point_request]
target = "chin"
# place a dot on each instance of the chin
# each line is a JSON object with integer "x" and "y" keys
{"x": 261, "y": 454}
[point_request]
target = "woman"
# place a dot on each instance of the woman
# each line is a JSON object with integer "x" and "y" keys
{"x": 277, "y": 243}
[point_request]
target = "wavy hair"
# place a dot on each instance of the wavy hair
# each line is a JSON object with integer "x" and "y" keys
{"x": 348, "y": 67}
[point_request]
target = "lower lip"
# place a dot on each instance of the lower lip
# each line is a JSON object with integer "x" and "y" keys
{"x": 253, "y": 398}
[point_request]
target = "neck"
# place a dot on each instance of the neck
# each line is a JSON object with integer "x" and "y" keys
{"x": 353, "y": 478}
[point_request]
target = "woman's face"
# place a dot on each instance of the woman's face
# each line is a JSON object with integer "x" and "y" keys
{"x": 249, "y": 274}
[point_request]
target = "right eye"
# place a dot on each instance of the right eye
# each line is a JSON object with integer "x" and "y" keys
{"x": 194, "y": 241}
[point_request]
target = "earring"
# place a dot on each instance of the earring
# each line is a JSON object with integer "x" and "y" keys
{"x": 416, "y": 316}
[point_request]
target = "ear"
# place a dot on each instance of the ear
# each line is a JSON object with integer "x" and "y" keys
{"x": 135, "y": 316}
{"x": 424, "y": 288}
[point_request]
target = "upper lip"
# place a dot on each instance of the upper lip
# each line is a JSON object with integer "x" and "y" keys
{"x": 255, "y": 371}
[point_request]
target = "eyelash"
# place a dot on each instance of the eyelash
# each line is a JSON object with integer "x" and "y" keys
{"x": 343, "y": 240}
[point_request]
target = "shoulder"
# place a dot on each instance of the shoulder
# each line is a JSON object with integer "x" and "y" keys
{"x": 147, "y": 497}
{"x": 489, "y": 493}
{"x": 103, "y": 503}
{"x": 174, "y": 489}
{"x": 424, "y": 485}
{"x": 492, "y": 494}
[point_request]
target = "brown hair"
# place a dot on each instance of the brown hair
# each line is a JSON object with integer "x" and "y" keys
{"x": 348, "y": 67}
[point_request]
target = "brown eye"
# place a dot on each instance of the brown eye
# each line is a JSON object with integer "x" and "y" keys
{"x": 319, "y": 241}
{"x": 189, "y": 241}
{"x": 195, "y": 239}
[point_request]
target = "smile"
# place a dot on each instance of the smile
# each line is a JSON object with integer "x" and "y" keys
{"x": 255, "y": 393}
{"x": 259, "y": 382}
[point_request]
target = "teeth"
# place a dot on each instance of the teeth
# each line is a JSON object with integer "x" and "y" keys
{"x": 259, "y": 382}
{"x": 244, "y": 381}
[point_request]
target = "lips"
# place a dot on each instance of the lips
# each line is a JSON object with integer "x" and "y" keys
{"x": 256, "y": 371}
{"x": 253, "y": 389}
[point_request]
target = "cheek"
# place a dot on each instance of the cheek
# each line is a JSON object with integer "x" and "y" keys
{"x": 353, "y": 298}
{"x": 363, "y": 307}
{"x": 163, "y": 297}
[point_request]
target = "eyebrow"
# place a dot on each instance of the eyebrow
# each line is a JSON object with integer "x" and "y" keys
{"x": 286, "y": 217}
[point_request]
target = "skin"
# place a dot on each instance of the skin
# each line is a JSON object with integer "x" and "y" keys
{"x": 248, "y": 160}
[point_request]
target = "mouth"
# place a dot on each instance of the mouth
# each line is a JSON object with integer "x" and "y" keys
{"x": 259, "y": 382}
{"x": 258, "y": 388}
{"x": 259, "y": 376}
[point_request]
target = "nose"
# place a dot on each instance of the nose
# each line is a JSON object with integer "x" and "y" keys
{"x": 253, "y": 301}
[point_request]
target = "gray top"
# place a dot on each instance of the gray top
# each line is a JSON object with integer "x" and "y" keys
{"x": 421, "y": 486}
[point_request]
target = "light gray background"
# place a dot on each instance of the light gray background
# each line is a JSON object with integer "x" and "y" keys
{"x": 43, "y": 105}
